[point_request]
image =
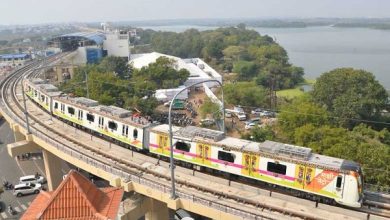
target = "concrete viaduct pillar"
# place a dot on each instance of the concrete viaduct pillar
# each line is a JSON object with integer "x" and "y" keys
{"x": 52, "y": 169}
{"x": 158, "y": 210}
{"x": 137, "y": 206}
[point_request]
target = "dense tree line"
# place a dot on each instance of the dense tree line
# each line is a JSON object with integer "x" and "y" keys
{"x": 252, "y": 56}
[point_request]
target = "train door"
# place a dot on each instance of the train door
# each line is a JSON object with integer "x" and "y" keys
{"x": 300, "y": 171}
{"x": 80, "y": 115}
{"x": 101, "y": 122}
{"x": 163, "y": 142}
{"x": 250, "y": 164}
{"x": 308, "y": 180}
{"x": 203, "y": 152}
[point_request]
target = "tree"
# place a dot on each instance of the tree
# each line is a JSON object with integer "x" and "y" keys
{"x": 245, "y": 69}
{"x": 245, "y": 94}
{"x": 210, "y": 108}
{"x": 259, "y": 134}
{"x": 161, "y": 75}
{"x": 117, "y": 65}
{"x": 302, "y": 111}
{"x": 350, "y": 94}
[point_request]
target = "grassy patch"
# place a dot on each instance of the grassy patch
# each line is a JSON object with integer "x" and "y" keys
{"x": 290, "y": 93}
{"x": 310, "y": 81}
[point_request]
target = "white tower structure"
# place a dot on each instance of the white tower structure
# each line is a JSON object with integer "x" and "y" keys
{"x": 117, "y": 43}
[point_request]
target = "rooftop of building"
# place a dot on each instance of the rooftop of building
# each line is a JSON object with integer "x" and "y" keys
{"x": 97, "y": 37}
{"x": 196, "y": 66}
{"x": 14, "y": 56}
{"x": 76, "y": 198}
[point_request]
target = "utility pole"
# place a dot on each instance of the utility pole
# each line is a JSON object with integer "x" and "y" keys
{"x": 86, "y": 82}
{"x": 171, "y": 162}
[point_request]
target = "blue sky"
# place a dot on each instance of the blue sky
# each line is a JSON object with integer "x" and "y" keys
{"x": 48, "y": 11}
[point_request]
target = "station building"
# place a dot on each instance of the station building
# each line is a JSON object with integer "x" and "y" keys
{"x": 93, "y": 46}
{"x": 13, "y": 60}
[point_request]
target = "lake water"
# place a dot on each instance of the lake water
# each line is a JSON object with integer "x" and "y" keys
{"x": 321, "y": 49}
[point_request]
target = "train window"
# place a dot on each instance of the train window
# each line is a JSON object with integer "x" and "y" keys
{"x": 135, "y": 133}
{"x": 35, "y": 93}
{"x": 80, "y": 116}
{"x": 183, "y": 146}
{"x": 42, "y": 98}
{"x": 276, "y": 168}
{"x": 112, "y": 125}
{"x": 62, "y": 108}
{"x": 338, "y": 182}
{"x": 55, "y": 105}
{"x": 90, "y": 117}
{"x": 225, "y": 156}
{"x": 101, "y": 121}
{"x": 125, "y": 130}
{"x": 71, "y": 110}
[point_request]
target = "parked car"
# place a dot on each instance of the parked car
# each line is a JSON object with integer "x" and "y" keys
{"x": 268, "y": 114}
{"x": 252, "y": 120}
{"x": 241, "y": 116}
{"x": 238, "y": 109}
{"x": 256, "y": 111}
{"x": 252, "y": 123}
{"x": 207, "y": 122}
{"x": 228, "y": 115}
{"x": 26, "y": 188}
{"x": 32, "y": 179}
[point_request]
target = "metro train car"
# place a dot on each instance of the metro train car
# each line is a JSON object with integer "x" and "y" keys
{"x": 272, "y": 162}
{"x": 41, "y": 92}
{"x": 113, "y": 122}
{"x": 284, "y": 165}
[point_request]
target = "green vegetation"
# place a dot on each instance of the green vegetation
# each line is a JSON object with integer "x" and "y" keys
{"x": 244, "y": 93}
{"x": 260, "y": 134}
{"x": 210, "y": 108}
{"x": 290, "y": 93}
{"x": 113, "y": 82}
{"x": 252, "y": 56}
{"x": 348, "y": 93}
{"x": 332, "y": 120}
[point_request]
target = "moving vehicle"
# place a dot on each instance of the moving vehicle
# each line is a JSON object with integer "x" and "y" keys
{"x": 297, "y": 168}
{"x": 26, "y": 188}
{"x": 32, "y": 179}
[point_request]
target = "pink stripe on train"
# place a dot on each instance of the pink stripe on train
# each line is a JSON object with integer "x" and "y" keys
{"x": 265, "y": 172}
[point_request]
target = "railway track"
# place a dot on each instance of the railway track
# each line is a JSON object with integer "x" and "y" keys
{"x": 8, "y": 92}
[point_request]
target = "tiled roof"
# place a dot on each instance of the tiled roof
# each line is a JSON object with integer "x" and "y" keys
{"x": 76, "y": 198}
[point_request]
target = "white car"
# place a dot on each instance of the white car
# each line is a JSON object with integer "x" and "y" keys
{"x": 32, "y": 179}
{"x": 207, "y": 122}
{"x": 26, "y": 188}
{"x": 228, "y": 114}
{"x": 256, "y": 111}
{"x": 241, "y": 116}
{"x": 252, "y": 123}
{"x": 268, "y": 114}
